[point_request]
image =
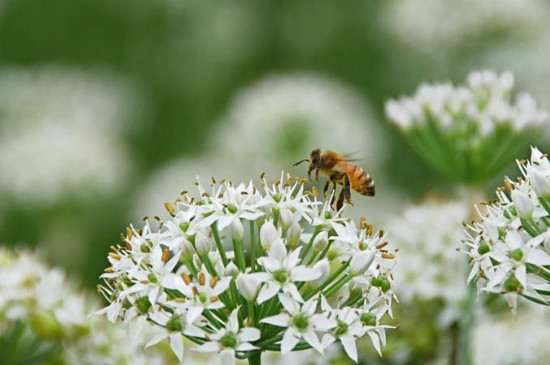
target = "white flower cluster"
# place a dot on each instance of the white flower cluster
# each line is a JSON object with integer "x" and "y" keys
{"x": 509, "y": 248}
{"x": 242, "y": 270}
{"x": 449, "y": 25}
{"x": 51, "y": 120}
{"x": 57, "y": 314}
{"x": 481, "y": 106}
{"x": 429, "y": 233}
{"x": 468, "y": 132}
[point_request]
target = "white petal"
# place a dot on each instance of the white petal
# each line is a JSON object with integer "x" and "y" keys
{"x": 193, "y": 313}
{"x": 211, "y": 346}
{"x": 327, "y": 340}
{"x": 268, "y": 291}
{"x": 280, "y": 320}
{"x": 538, "y": 257}
{"x": 249, "y": 334}
{"x": 161, "y": 335}
{"x": 350, "y": 346}
{"x": 375, "y": 341}
{"x": 176, "y": 343}
{"x": 233, "y": 322}
{"x": 521, "y": 275}
{"x": 313, "y": 340}
{"x": 289, "y": 304}
{"x": 245, "y": 346}
{"x": 302, "y": 273}
{"x": 228, "y": 357}
{"x": 290, "y": 340}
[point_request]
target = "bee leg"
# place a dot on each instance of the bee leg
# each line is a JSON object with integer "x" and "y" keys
{"x": 347, "y": 189}
{"x": 333, "y": 193}
{"x": 341, "y": 197}
{"x": 317, "y": 175}
{"x": 326, "y": 189}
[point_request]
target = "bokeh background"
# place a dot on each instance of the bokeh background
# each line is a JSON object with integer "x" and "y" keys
{"x": 108, "y": 109}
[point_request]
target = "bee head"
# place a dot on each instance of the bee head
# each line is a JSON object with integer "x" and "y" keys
{"x": 315, "y": 159}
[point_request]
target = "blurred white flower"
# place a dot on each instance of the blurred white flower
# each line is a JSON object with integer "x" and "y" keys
{"x": 280, "y": 119}
{"x": 60, "y": 133}
{"x": 56, "y": 311}
{"x": 446, "y": 25}
{"x": 469, "y": 132}
{"x": 429, "y": 266}
{"x": 504, "y": 340}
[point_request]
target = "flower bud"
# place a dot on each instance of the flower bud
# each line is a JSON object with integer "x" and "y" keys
{"x": 231, "y": 270}
{"x": 237, "y": 230}
{"x": 539, "y": 182}
{"x": 320, "y": 241}
{"x": 340, "y": 296}
{"x": 324, "y": 267}
{"x": 361, "y": 261}
{"x": 203, "y": 244}
{"x": 523, "y": 204}
{"x": 287, "y": 218}
{"x": 187, "y": 250}
{"x": 268, "y": 235}
{"x": 293, "y": 234}
{"x": 248, "y": 286}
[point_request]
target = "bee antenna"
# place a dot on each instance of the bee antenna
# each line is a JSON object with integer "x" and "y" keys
{"x": 299, "y": 162}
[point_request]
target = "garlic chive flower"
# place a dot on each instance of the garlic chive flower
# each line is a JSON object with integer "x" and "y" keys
{"x": 468, "y": 132}
{"x": 240, "y": 270}
{"x": 508, "y": 249}
{"x": 48, "y": 317}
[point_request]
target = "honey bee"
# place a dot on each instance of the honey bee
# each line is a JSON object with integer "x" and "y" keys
{"x": 339, "y": 170}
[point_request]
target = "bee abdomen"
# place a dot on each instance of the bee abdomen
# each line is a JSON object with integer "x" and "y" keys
{"x": 362, "y": 182}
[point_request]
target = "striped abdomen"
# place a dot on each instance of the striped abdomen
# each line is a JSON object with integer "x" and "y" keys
{"x": 360, "y": 180}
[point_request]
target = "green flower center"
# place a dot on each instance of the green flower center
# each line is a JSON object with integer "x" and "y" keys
{"x": 341, "y": 329}
{"x": 517, "y": 254}
{"x": 229, "y": 340}
{"x": 184, "y": 226}
{"x": 382, "y": 282}
{"x": 143, "y": 305}
{"x": 512, "y": 284}
{"x": 277, "y": 197}
{"x": 280, "y": 275}
{"x": 232, "y": 208}
{"x": 144, "y": 248}
{"x": 152, "y": 278}
{"x": 368, "y": 319}
{"x": 300, "y": 321}
{"x": 328, "y": 215}
{"x": 174, "y": 324}
{"x": 203, "y": 298}
{"x": 483, "y": 248}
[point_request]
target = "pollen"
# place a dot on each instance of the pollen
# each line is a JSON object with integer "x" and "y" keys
{"x": 165, "y": 255}
{"x": 214, "y": 281}
{"x": 201, "y": 278}
{"x": 170, "y": 209}
{"x": 186, "y": 278}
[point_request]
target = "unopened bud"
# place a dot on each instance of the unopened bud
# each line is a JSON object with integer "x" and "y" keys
{"x": 293, "y": 234}
{"x": 203, "y": 244}
{"x": 268, "y": 235}
{"x": 322, "y": 266}
{"x": 320, "y": 241}
{"x": 248, "y": 286}
{"x": 540, "y": 183}
{"x": 231, "y": 270}
{"x": 237, "y": 230}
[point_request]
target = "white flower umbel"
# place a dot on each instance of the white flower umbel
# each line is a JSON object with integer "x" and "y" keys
{"x": 52, "y": 120}
{"x": 508, "y": 248}
{"x": 217, "y": 271}
{"x": 44, "y": 313}
{"x": 468, "y": 132}
{"x": 277, "y": 118}
{"x": 430, "y": 233}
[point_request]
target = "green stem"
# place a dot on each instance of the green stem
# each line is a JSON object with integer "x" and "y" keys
{"x": 255, "y": 359}
{"x": 219, "y": 243}
{"x": 252, "y": 247}
{"x": 251, "y": 312}
{"x": 306, "y": 249}
{"x": 239, "y": 254}
{"x": 340, "y": 283}
{"x": 329, "y": 280}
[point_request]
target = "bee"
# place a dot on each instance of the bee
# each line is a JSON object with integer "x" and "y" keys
{"x": 339, "y": 170}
